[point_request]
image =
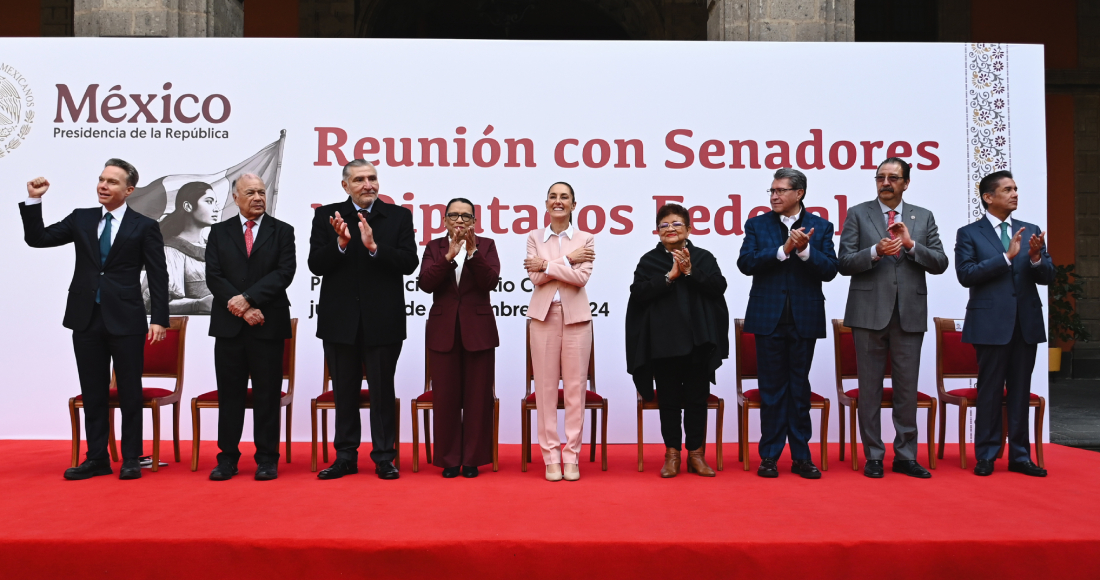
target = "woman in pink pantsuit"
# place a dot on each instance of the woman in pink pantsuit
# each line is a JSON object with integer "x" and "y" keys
{"x": 559, "y": 262}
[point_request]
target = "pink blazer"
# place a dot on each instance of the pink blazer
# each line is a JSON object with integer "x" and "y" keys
{"x": 567, "y": 281}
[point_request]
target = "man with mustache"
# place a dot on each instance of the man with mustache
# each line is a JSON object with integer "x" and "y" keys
{"x": 887, "y": 246}
{"x": 250, "y": 262}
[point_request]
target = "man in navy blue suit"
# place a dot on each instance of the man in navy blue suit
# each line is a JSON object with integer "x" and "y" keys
{"x": 789, "y": 253}
{"x": 1004, "y": 318}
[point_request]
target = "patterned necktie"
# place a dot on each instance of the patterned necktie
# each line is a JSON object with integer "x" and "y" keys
{"x": 889, "y": 222}
{"x": 104, "y": 246}
{"x": 248, "y": 236}
{"x": 1005, "y": 241}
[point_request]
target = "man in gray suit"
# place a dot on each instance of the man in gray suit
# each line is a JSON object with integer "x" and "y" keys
{"x": 886, "y": 247}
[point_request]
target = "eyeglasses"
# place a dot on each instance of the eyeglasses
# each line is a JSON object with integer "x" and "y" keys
{"x": 460, "y": 216}
{"x": 890, "y": 178}
{"x": 779, "y": 190}
{"x": 666, "y": 225}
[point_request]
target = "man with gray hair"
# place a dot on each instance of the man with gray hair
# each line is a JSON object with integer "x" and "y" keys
{"x": 250, "y": 262}
{"x": 887, "y": 246}
{"x": 789, "y": 253}
{"x": 363, "y": 247}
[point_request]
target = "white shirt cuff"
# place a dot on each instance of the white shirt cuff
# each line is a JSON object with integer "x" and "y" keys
{"x": 1037, "y": 262}
{"x": 374, "y": 253}
{"x": 874, "y": 253}
{"x": 342, "y": 249}
{"x": 804, "y": 254}
{"x": 1009, "y": 261}
{"x": 781, "y": 255}
{"x": 33, "y": 201}
{"x": 565, "y": 260}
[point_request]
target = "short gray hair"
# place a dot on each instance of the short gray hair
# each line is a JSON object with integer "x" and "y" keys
{"x": 246, "y": 176}
{"x": 355, "y": 163}
{"x": 796, "y": 177}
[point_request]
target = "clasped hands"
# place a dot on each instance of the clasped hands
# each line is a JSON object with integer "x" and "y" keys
{"x": 461, "y": 235}
{"x": 891, "y": 247}
{"x": 681, "y": 264}
{"x": 343, "y": 233}
{"x": 238, "y": 306}
{"x": 798, "y": 241}
{"x": 1035, "y": 245}
{"x": 578, "y": 256}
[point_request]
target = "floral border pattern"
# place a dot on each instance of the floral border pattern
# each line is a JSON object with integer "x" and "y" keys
{"x": 988, "y": 131}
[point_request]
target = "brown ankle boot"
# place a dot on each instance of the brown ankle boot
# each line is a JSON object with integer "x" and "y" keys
{"x": 697, "y": 464}
{"x": 672, "y": 463}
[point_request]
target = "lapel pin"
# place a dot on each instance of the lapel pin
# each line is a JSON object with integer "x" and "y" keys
{"x": 912, "y": 217}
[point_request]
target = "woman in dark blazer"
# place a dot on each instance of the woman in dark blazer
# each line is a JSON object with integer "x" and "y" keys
{"x": 677, "y": 335}
{"x": 460, "y": 270}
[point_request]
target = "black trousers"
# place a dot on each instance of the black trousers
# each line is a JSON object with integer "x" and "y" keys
{"x": 783, "y": 359}
{"x": 95, "y": 348}
{"x": 1004, "y": 373}
{"x": 683, "y": 383}
{"x": 235, "y": 360}
{"x": 346, "y": 363}
{"x": 462, "y": 398}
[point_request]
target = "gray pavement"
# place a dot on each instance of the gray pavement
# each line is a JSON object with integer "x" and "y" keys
{"x": 1075, "y": 412}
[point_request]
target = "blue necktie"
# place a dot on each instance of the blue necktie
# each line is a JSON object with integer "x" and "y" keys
{"x": 104, "y": 247}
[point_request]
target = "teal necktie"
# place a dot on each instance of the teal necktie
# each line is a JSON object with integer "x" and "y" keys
{"x": 104, "y": 246}
{"x": 1005, "y": 241}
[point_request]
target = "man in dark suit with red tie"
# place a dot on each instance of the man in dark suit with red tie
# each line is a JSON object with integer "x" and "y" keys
{"x": 362, "y": 247}
{"x": 1004, "y": 318}
{"x": 460, "y": 270}
{"x": 250, "y": 262}
{"x": 104, "y": 309}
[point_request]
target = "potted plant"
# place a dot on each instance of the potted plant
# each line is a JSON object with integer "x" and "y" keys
{"x": 1065, "y": 323}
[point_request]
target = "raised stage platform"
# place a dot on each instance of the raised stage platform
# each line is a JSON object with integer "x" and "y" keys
{"x": 509, "y": 524}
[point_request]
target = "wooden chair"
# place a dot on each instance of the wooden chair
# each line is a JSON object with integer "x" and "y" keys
{"x": 956, "y": 359}
{"x": 163, "y": 360}
{"x": 592, "y": 401}
{"x": 424, "y": 403}
{"x": 844, "y": 349}
{"x": 745, "y": 345}
{"x": 713, "y": 403}
{"x": 210, "y": 400}
{"x": 327, "y": 401}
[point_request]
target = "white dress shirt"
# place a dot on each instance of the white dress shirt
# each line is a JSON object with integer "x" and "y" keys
{"x": 789, "y": 222}
{"x": 997, "y": 230}
{"x": 116, "y": 218}
{"x": 460, "y": 261}
{"x": 255, "y": 228}
{"x": 886, "y": 219}
{"x": 568, "y": 233}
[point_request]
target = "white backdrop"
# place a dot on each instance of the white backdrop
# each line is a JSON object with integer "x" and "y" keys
{"x": 959, "y": 109}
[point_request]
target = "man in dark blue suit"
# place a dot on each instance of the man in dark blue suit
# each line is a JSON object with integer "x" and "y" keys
{"x": 1004, "y": 318}
{"x": 789, "y": 253}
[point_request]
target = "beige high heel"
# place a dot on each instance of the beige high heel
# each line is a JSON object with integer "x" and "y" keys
{"x": 553, "y": 472}
{"x": 572, "y": 472}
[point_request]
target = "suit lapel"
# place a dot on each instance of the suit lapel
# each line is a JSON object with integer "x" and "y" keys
{"x": 236, "y": 233}
{"x": 990, "y": 235}
{"x": 265, "y": 232}
{"x": 129, "y": 222}
{"x": 88, "y": 226}
{"x": 878, "y": 219}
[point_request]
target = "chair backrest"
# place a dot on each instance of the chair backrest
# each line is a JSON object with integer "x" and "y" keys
{"x": 164, "y": 359}
{"x": 844, "y": 352}
{"x": 591, "y": 362}
{"x": 289, "y": 356}
{"x": 745, "y": 345}
{"x": 955, "y": 359}
{"x": 428, "y": 366}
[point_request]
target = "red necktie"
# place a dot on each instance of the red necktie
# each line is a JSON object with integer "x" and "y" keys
{"x": 889, "y": 222}
{"x": 248, "y": 236}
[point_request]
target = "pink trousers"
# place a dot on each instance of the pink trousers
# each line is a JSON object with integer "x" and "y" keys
{"x": 560, "y": 351}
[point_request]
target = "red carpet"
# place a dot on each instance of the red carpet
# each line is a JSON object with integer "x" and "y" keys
{"x": 613, "y": 524}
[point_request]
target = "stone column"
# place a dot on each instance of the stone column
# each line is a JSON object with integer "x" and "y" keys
{"x": 781, "y": 20}
{"x": 158, "y": 18}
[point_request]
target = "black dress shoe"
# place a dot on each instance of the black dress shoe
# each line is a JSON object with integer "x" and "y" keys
{"x": 131, "y": 469}
{"x": 873, "y": 468}
{"x": 89, "y": 469}
{"x": 768, "y": 468}
{"x": 266, "y": 472}
{"x": 338, "y": 469}
{"x": 984, "y": 467}
{"x": 1026, "y": 467}
{"x": 805, "y": 468}
{"x": 386, "y": 470}
{"x": 223, "y": 472}
{"x": 910, "y": 468}
{"x": 469, "y": 471}
{"x": 451, "y": 472}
